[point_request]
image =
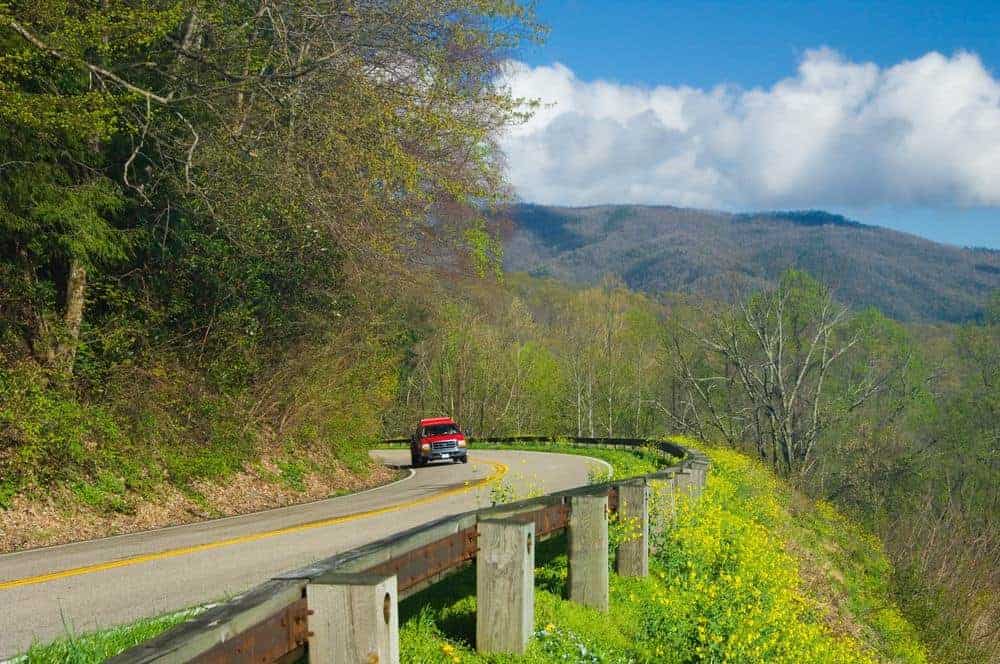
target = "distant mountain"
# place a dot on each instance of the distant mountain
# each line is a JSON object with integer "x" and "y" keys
{"x": 717, "y": 254}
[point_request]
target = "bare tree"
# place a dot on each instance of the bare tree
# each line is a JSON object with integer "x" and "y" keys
{"x": 764, "y": 372}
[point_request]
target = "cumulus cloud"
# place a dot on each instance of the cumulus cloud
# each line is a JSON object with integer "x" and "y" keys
{"x": 837, "y": 133}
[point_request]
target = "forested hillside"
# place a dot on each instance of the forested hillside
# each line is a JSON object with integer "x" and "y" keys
{"x": 210, "y": 215}
{"x": 896, "y": 424}
{"x": 240, "y": 242}
{"x": 723, "y": 256}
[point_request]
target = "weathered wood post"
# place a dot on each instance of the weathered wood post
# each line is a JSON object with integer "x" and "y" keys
{"x": 702, "y": 465}
{"x": 699, "y": 473}
{"x": 588, "y": 551}
{"x": 632, "y": 558}
{"x": 505, "y": 585}
{"x": 684, "y": 482}
{"x": 694, "y": 483}
{"x": 662, "y": 507}
{"x": 355, "y": 619}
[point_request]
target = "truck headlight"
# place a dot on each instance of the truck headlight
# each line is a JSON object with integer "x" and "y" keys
{"x": 461, "y": 443}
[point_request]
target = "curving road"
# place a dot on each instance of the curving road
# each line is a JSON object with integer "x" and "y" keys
{"x": 106, "y": 582}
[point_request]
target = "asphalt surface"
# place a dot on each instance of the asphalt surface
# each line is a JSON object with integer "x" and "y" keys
{"x": 101, "y": 583}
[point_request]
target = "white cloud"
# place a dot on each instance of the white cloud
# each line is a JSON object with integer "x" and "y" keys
{"x": 837, "y": 133}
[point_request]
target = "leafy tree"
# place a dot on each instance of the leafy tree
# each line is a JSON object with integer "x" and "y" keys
{"x": 766, "y": 372}
{"x": 181, "y": 143}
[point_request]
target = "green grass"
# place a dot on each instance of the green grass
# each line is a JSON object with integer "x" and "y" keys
{"x": 112, "y": 456}
{"x": 751, "y": 572}
{"x": 626, "y": 463}
{"x": 99, "y": 646}
{"x": 293, "y": 473}
{"x": 115, "y": 452}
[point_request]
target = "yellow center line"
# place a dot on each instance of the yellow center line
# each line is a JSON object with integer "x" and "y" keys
{"x": 499, "y": 470}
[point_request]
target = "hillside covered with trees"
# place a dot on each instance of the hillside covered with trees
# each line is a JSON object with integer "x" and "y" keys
{"x": 725, "y": 256}
{"x": 897, "y": 424}
{"x": 209, "y": 218}
{"x": 240, "y": 242}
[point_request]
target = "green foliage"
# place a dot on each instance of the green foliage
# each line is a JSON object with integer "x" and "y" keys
{"x": 545, "y": 357}
{"x": 734, "y": 591}
{"x": 622, "y": 530}
{"x": 626, "y": 463}
{"x": 486, "y": 251}
{"x": 102, "y": 645}
{"x": 107, "y": 494}
{"x": 232, "y": 298}
{"x": 505, "y": 491}
{"x": 293, "y": 473}
{"x": 724, "y": 587}
{"x": 899, "y": 429}
{"x": 49, "y": 436}
{"x": 46, "y": 433}
{"x": 535, "y": 362}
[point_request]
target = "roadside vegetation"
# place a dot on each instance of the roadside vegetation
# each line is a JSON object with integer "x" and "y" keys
{"x": 894, "y": 424}
{"x": 186, "y": 309}
{"x": 751, "y": 572}
{"x": 99, "y": 646}
{"x": 220, "y": 283}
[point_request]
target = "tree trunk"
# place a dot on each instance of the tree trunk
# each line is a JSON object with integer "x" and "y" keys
{"x": 579, "y": 408}
{"x": 590, "y": 403}
{"x": 76, "y": 286}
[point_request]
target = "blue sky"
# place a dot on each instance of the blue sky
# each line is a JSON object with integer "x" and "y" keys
{"x": 651, "y": 54}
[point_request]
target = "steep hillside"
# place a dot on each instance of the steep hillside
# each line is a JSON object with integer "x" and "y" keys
{"x": 720, "y": 255}
{"x": 751, "y": 571}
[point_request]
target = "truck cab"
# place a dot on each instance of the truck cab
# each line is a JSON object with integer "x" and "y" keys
{"x": 438, "y": 439}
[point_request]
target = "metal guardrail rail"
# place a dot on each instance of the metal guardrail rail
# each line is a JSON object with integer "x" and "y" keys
{"x": 270, "y": 623}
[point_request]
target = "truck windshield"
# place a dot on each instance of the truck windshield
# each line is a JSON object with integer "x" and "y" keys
{"x": 440, "y": 429}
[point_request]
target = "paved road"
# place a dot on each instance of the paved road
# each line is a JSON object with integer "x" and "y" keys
{"x": 101, "y": 583}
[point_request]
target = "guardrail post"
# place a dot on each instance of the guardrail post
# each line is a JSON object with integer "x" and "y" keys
{"x": 702, "y": 465}
{"x": 632, "y": 557}
{"x": 684, "y": 482}
{"x": 694, "y": 481}
{"x": 505, "y": 585}
{"x": 354, "y": 619}
{"x": 696, "y": 469}
{"x": 662, "y": 509}
{"x": 588, "y": 551}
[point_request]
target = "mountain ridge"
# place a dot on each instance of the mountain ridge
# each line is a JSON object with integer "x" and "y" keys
{"x": 721, "y": 254}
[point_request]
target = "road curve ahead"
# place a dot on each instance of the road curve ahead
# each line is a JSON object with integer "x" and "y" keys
{"x": 102, "y": 583}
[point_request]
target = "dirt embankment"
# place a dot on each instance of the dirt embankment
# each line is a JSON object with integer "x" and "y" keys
{"x": 60, "y": 517}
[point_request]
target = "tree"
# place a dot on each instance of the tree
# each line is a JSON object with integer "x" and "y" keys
{"x": 244, "y": 168}
{"x": 764, "y": 373}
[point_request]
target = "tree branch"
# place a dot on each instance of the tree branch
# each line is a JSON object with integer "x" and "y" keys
{"x": 100, "y": 71}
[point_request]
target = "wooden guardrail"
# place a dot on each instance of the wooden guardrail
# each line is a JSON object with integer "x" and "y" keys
{"x": 344, "y": 608}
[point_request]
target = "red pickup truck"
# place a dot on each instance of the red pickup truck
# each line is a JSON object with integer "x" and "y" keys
{"x": 438, "y": 439}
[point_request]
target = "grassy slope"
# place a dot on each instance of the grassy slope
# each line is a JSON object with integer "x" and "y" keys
{"x": 170, "y": 451}
{"x": 626, "y": 463}
{"x": 102, "y": 645}
{"x": 751, "y": 572}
